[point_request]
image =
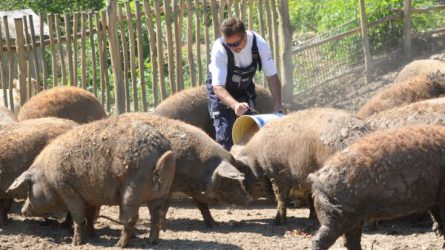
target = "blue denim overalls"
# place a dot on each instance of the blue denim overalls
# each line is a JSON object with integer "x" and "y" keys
{"x": 239, "y": 83}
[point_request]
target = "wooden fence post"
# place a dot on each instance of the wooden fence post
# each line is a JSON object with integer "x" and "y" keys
{"x": 140, "y": 55}
{"x": 170, "y": 53}
{"x": 69, "y": 49}
{"x": 178, "y": 12}
{"x": 276, "y": 52}
{"x": 75, "y": 24}
{"x": 190, "y": 60}
{"x": 269, "y": 26}
{"x": 365, "y": 41}
{"x": 60, "y": 47}
{"x": 198, "y": 41}
{"x": 83, "y": 53}
{"x": 35, "y": 55}
{"x": 286, "y": 53}
{"x": 214, "y": 6}
{"x": 160, "y": 50}
{"x": 21, "y": 59}
{"x": 42, "y": 47}
{"x": 10, "y": 62}
{"x": 3, "y": 71}
{"x": 261, "y": 18}
{"x": 93, "y": 51}
{"x": 125, "y": 57}
{"x": 153, "y": 52}
{"x": 119, "y": 87}
{"x": 407, "y": 36}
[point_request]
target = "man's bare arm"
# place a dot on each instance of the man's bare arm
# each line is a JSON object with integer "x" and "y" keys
{"x": 226, "y": 98}
{"x": 275, "y": 88}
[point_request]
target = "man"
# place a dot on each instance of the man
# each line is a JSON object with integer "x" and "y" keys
{"x": 235, "y": 57}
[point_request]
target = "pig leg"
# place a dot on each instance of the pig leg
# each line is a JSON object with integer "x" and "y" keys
{"x": 5, "y": 206}
{"x": 312, "y": 213}
{"x": 68, "y": 222}
{"x": 128, "y": 216}
{"x": 92, "y": 214}
{"x": 352, "y": 237}
{"x": 437, "y": 220}
{"x": 157, "y": 212}
{"x": 165, "y": 211}
{"x": 204, "y": 208}
{"x": 281, "y": 192}
{"x": 325, "y": 238}
{"x": 77, "y": 208}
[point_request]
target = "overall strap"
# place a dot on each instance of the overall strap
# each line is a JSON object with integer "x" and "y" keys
{"x": 230, "y": 58}
{"x": 255, "y": 53}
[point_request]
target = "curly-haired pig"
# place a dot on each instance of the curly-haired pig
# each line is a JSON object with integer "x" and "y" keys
{"x": 416, "y": 89}
{"x": 191, "y": 106}
{"x": 108, "y": 162}
{"x": 418, "y": 67}
{"x": 71, "y": 103}
{"x": 20, "y": 143}
{"x": 384, "y": 175}
{"x": 205, "y": 171}
{"x": 282, "y": 154}
{"x": 431, "y": 111}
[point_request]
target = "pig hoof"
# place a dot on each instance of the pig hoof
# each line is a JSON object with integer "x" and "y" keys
{"x": 153, "y": 241}
{"x": 77, "y": 241}
{"x": 212, "y": 224}
{"x": 279, "y": 220}
{"x": 121, "y": 243}
{"x": 437, "y": 229}
{"x": 91, "y": 233}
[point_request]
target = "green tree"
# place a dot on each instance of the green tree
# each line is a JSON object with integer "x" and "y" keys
{"x": 52, "y": 6}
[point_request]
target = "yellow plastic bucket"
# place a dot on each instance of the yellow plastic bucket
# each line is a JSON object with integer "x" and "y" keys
{"x": 247, "y": 125}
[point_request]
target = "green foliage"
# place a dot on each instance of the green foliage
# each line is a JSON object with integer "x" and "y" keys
{"x": 52, "y": 6}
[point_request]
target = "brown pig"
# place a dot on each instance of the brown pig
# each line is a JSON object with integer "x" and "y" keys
{"x": 282, "y": 154}
{"x": 20, "y": 143}
{"x": 107, "y": 162}
{"x": 384, "y": 175}
{"x": 71, "y": 103}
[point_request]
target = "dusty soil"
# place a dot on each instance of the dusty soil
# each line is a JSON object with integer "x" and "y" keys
{"x": 239, "y": 228}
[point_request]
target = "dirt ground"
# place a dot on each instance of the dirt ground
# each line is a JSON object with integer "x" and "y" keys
{"x": 239, "y": 228}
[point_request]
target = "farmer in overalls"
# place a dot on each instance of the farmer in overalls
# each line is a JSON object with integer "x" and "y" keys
{"x": 235, "y": 57}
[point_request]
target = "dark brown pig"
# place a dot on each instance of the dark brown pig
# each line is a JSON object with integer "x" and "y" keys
{"x": 282, "y": 154}
{"x": 20, "y": 143}
{"x": 204, "y": 171}
{"x": 431, "y": 111}
{"x": 387, "y": 174}
{"x": 71, "y": 103}
{"x": 108, "y": 162}
{"x": 421, "y": 87}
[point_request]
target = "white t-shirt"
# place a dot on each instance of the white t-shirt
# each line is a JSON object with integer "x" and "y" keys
{"x": 243, "y": 59}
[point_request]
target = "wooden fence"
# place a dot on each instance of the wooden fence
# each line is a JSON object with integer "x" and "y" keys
{"x": 133, "y": 54}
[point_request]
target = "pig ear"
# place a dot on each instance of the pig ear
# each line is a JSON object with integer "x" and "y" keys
{"x": 23, "y": 179}
{"x": 226, "y": 170}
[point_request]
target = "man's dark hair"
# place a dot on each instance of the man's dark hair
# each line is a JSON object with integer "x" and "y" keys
{"x": 232, "y": 26}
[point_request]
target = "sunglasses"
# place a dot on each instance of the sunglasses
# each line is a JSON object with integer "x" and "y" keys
{"x": 235, "y": 44}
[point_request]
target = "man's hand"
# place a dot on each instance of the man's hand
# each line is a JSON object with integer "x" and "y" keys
{"x": 279, "y": 108}
{"x": 240, "y": 108}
